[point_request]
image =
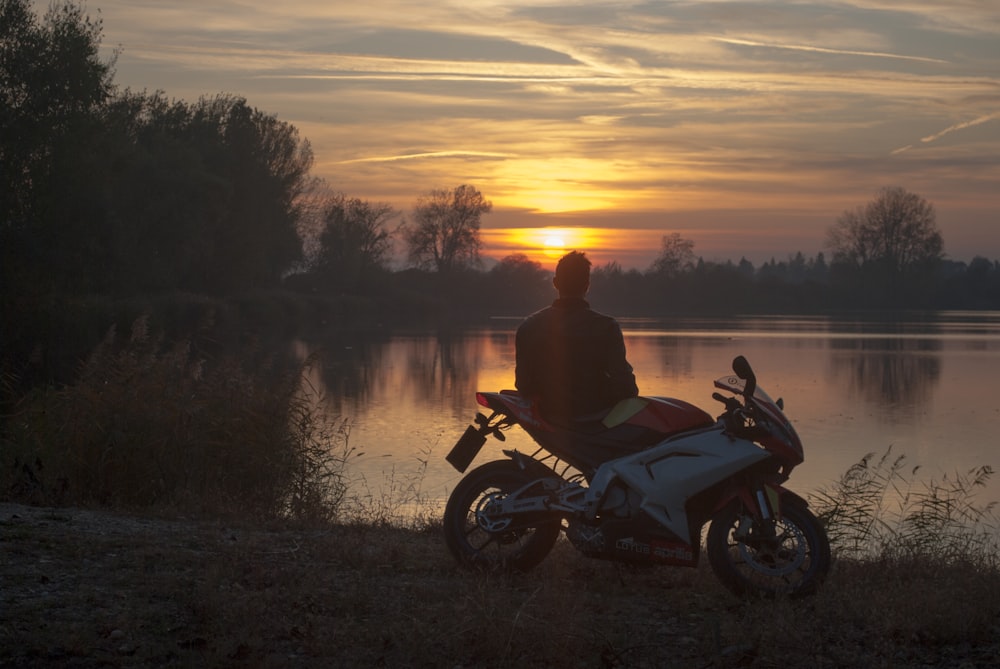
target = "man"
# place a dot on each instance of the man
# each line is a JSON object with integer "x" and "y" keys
{"x": 571, "y": 359}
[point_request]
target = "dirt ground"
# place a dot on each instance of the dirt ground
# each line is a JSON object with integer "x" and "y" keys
{"x": 82, "y": 588}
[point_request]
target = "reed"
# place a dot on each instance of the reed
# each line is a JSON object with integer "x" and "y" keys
{"x": 880, "y": 509}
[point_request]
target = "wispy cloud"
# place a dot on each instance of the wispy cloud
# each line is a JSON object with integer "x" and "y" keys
{"x": 425, "y": 155}
{"x": 828, "y": 50}
{"x": 694, "y": 116}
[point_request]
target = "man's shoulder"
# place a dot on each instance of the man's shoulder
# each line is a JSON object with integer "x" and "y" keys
{"x": 534, "y": 320}
{"x": 598, "y": 317}
{"x": 541, "y": 313}
{"x": 576, "y": 311}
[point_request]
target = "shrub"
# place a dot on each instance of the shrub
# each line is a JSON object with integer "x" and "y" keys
{"x": 150, "y": 425}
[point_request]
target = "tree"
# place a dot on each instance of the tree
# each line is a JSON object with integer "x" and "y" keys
{"x": 354, "y": 241}
{"x": 893, "y": 237}
{"x": 445, "y": 230}
{"x": 50, "y": 79}
{"x": 52, "y": 87}
{"x": 518, "y": 285}
{"x": 264, "y": 166}
{"x": 205, "y": 197}
{"x": 612, "y": 288}
{"x": 676, "y": 256}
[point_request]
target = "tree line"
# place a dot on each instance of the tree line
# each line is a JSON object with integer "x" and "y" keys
{"x": 128, "y": 194}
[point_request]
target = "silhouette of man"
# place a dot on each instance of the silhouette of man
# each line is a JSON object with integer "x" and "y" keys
{"x": 571, "y": 359}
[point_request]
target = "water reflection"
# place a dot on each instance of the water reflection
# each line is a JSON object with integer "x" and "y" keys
{"x": 896, "y": 376}
{"x": 676, "y": 358}
{"x": 424, "y": 370}
{"x": 442, "y": 369}
{"x": 345, "y": 373}
{"x": 852, "y": 387}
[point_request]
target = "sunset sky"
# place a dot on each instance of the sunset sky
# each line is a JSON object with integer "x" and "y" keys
{"x": 747, "y": 127}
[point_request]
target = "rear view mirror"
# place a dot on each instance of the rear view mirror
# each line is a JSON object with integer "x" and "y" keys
{"x": 745, "y": 372}
{"x": 742, "y": 368}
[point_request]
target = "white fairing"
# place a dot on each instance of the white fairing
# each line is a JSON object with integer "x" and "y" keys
{"x": 667, "y": 475}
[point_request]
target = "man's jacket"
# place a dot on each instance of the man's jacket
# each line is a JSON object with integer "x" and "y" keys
{"x": 571, "y": 361}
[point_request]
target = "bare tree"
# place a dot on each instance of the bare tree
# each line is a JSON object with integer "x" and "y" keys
{"x": 676, "y": 256}
{"x": 895, "y": 233}
{"x": 355, "y": 239}
{"x": 445, "y": 230}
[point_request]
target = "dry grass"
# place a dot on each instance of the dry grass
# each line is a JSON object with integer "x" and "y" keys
{"x": 91, "y": 589}
{"x": 151, "y": 425}
{"x": 881, "y": 508}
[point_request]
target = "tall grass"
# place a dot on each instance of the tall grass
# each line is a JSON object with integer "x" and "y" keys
{"x": 147, "y": 424}
{"x": 398, "y": 500}
{"x": 880, "y": 509}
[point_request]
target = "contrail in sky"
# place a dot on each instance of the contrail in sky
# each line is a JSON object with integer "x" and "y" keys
{"x": 820, "y": 49}
{"x": 961, "y": 126}
{"x": 950, "y": 129}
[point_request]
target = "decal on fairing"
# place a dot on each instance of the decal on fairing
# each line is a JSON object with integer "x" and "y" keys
{"x": 663, "y": 551}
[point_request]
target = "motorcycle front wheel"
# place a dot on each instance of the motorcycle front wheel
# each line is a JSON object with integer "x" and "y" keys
{"x": 477, "y": 536}
{"x": 789, "y": 556}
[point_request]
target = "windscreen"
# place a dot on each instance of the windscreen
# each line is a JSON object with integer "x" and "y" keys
{"x": 736, "y": 385}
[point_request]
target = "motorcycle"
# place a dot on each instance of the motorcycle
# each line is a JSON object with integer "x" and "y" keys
{"x": 639, "y": 485}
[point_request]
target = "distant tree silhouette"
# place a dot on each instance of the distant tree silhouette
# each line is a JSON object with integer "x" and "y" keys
{"x": 891, "y": 245}
{"x": 354, "y": 241}
{"x": 676, "y": 256}
{"x": 519, "y": 285}
{"x": 444, "y": 234}
{"x": 619, "y": 291}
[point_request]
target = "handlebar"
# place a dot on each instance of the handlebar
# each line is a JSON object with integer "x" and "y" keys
{"x": 731, "y": 402}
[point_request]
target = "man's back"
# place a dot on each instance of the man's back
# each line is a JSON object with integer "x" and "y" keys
{"x": 571, "y": 360}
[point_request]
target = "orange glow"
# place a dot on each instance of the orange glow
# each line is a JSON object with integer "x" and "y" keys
{"x": 545, "y": 245}
{"x": 541, "y": 245}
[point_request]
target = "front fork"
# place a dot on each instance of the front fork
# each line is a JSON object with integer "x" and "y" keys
{"x": 761, "y": 505}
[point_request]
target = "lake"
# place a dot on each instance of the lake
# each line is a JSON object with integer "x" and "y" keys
{"x": 923, "y": 385}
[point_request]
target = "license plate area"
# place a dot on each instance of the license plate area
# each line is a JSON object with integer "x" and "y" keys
{"x": 468, "y": 446}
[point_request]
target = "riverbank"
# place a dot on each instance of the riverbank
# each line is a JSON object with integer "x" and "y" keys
{"x": 88, "y": 588}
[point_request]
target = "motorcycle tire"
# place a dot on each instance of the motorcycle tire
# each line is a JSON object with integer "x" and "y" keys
{"x": 792, "y": 562}
{"x": 477, "y": 540}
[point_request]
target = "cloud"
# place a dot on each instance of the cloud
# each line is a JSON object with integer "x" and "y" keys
{"x": 430, "y": 154}
{"x": 732, "y": 114}
{"x": 820, "y": 49}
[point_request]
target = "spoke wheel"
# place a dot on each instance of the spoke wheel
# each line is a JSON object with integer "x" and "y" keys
{"x": 790, "y": 556}
{"x": 479, "y": 536}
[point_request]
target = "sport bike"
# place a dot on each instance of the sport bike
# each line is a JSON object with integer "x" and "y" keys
{"x": 639, "y": 485}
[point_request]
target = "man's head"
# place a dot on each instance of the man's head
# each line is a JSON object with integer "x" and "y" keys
{"x": 572, "y": 275}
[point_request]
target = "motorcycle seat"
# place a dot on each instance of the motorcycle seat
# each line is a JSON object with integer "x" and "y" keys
{"x": 640, "y": 421}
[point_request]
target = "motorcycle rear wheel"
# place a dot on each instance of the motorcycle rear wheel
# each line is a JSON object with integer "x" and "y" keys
{"x": 752, "y": 562}
{"x": 479, "y": 539}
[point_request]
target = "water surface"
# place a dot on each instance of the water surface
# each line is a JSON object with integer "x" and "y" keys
{"x": 924, "y": 386}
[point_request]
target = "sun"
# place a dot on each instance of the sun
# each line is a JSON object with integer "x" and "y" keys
{"x": 555, "y": 245}
{"x": 541, "y": 245}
